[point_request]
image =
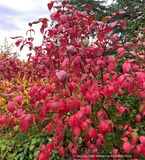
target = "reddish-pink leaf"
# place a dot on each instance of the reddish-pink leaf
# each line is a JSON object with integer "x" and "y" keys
{"x": 76, "y": 130}
{"x": 29, "y": 118}
{"x": 121, "y": 52}
{"x": 19, "y": 99}
{"x": 106, "y": 76}
{"x": 64, "y": 62}
{"x": 72, "y": 120}
{"x": 11, "y": 106}
{"x": 48, "y": 153}
{"x": 63, "y": 50}
{"x": 121, "y": 110}
{"x": 62, "y": 75}
{"x": 24, "y": 125}
{"x": 99, "y": 114}
{"x": 142, "y": 140}
{"x": 113, "y": 24}
{"x": 127, "y": 147}
{"x": 98, "y": 142}
{"x": 136, "y": 153}
{"x": 133, "y": 53}
{"x": 61, "y": 151}
{"x": 126, "y": 67}
{"x": 83, "y": 89}
{"x": 42, "y": 29}
{"x": 43, "y": 93}
{"x": 143, "y": 151}
{"x": 20, "y": 112}
{"x": 138, "y": 118}
{"x": 127, "y": 44}
{"x": 100, "y": 52}
{"x": 93, "y": 133}
{"x": 42, "y": 112}
{"x": 60, "y": 28}
{"x": 89, "y": 109}
{"x": 124, "y": 139}
{"x": 84, "y": 126}
{"x": 70, "y": 146}
{"x": 111, "y": 67}
{"x": 3, "y": 119}
{"x": 72, "y": 50}
{"x": 96, "y": 29}
{"x": 89, "y": 7}
{"x": 11, "y": 122}
{"x": 63, "y": 18}
{"x": 49, "y": 5}
{"x": 123, "y": 25}
{"x": 42, "y": 156}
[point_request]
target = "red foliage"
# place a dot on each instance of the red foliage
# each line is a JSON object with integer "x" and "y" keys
{"x": 72, "y": 76}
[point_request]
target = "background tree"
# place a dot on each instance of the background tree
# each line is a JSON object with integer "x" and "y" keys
{"x": 99, "y": 7}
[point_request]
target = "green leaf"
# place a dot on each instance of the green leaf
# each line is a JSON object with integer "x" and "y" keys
{"x": 33, "y": 141}
{"x": 31, "y": 147}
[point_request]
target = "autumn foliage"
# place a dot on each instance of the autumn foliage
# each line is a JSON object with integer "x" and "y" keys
{"x": 70, "y": 86}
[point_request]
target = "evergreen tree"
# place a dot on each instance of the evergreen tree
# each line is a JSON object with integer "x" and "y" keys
{"x": 133, "y": 8}
{"x": 99, "y": 7}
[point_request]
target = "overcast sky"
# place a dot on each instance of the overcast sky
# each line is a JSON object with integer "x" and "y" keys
{"x": 15, "y": 16}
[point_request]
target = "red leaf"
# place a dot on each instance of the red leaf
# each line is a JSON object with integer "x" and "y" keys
{"x": 49, "y": 5}
{"x": 42, "y": 112}
{"x": 142, "y": 140}
{"x": 106, "y": 76}
{"x": 96, "y": 30}
{"x": 11, "y": 122}
{"x": 89, "y": 109}
{"x": 89, "y": 7}
{"x": 138, "y": 118}
{"x": 19, "y": 99}
{"x": 60, "y": 28}
{"x": 126, "y": 67}
{"x": 18, "y": 42}
{"x": 11, "y": 106}
{"x": 133, "y": 53}
{"x": 3, "y": 119}
{"x": 99, "y": 114}
{"x": 72, "y": 50}
{"x": 143, "y": 151}
{"x": 84, "y": 126}
{"x": 136, "y": 153}
{"x": 123, "y": 25}
{"x": 61, "y": 151}
{"x": 70, "y": 146}
{"x": 100, "y": 52}
{"x": 42, "y": 29}
{"x": 127, "y": 147}
{"x": 63, "y": 18}
{"x": 124, "y": 139}
{"x": 20, "y": 112}
{"x": 113, "y": 24}
{"x": 83, "y": 89}
{"x": 24, "y": 125}
{"x": 93, "y": 133}
{"x": 63, "y": 50}
{"x": 121, "y": 52}
{"x": 127, "y": 44}
{"x": 61, "y": 75}
{"x": 121, "y": 110}
{"x": 76, "y": 130}
{"x": 111, "y": 67}
{"x": 43, "y": 93}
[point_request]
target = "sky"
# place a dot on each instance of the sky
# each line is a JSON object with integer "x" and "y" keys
{"x": 15, "y": 16}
